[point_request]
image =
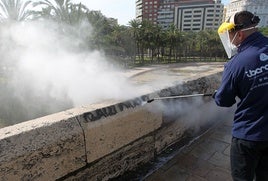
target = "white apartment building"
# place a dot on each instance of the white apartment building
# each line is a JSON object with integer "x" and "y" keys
{"x": 139, "y": 10}
{"x": 257, "y": 7}
{"x": 166, "y": 13}
{"x": 198, "y": 16}
{"x": 165, "y": 18}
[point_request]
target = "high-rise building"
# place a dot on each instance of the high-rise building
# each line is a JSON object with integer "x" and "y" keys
{"x": 186, "y": 15}
{"x": 198, "y": 15}
{"x": 139, "y": 10}
{"x": 166, "y": 13}
{"x": 147, "y": 10}
{"x": 257, "y": 7}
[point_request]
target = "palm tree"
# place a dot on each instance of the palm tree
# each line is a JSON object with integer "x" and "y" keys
{"x": 15, "y": 10}
{"x": 101, "y": 29}
{"x": 155, "y": 41}
{"x": 172, "y": 36}
{"x": 214, "y": 46}
{"x": 202, "y": 43}
{"x": 135, "y": 31}
{"x": 58, "y": 9}
{"x": 62, "y": 11}
{"x": 146, "y": 37}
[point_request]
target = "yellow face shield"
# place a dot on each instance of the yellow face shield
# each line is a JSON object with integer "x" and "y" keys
{"x": 226, "y": 27}
{"x": 247, "y": 21}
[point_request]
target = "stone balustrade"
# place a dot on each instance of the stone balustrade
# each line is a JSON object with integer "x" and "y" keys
{"x": 98, "y": 142}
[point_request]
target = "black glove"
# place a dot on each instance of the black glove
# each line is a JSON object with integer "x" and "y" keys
{"x": 214, "y": 94}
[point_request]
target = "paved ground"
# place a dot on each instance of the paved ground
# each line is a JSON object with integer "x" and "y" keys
{"x": 152, "y": 78}
{"x": 206, "y": 159}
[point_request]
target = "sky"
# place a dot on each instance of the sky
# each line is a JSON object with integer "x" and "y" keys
{"x": 225, "y": 1}
{"x": 122, "y": 10}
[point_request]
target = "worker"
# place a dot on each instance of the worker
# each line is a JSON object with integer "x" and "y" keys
{"x": 245, "y": 82}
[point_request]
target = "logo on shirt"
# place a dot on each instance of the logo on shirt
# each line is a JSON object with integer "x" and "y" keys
{"x": 257, "y": 71}
{"x": 263, "y": 57}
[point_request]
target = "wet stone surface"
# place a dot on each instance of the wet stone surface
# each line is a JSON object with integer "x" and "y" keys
{"x": 207, "y": 159}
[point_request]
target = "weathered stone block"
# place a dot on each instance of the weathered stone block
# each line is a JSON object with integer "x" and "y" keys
{"x": 122, "y": 127}
{"x": 117, "y": 163}
{"x": 42, "y": 149}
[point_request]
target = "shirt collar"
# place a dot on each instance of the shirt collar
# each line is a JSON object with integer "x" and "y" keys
{"x": 249, "y": 41}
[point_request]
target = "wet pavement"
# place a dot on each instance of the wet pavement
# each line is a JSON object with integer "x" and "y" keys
{"x": 205, "y": 159}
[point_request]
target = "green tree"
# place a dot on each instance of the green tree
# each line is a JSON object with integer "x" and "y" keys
{"x": 115, "y": 41}
{"x": 101, "y": 29}
{"x": 150, "y": 34}
{"x": 135, "y": 33}
{"x": 71, "y": 19}
{"x": 147, "y": 36}
{"x": 173, "y": 41}
{"x": 15, "y": 10}
{"x": 264, "y": 30}
{"x": 214, "y": 46}
{"x": 189, "y": 46}
{"x": 202, "y": 39}
{"x": 55, "y": 9}
{"x": 62, "y": 11}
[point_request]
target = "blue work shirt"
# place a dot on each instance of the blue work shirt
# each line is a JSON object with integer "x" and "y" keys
{"x": 246, "y": 76}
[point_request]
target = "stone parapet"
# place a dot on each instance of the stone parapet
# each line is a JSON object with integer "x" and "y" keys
{"x": 95, "y": 142}
{"x": 42, "y": 149}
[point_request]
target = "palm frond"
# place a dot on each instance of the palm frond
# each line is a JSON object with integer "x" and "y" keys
{"x": 15, "y": 10}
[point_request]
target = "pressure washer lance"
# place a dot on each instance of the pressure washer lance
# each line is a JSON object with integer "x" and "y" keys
{"x": 177, "y": 97}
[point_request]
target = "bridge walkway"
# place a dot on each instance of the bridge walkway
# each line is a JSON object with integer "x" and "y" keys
{"x": 205, "y": 159}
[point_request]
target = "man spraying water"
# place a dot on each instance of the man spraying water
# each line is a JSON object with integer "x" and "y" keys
{"x": 246, "y": 76}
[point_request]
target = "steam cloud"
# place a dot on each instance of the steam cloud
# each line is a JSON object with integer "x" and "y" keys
{"x": 194, "y": 113}
{"x": 42, "y": 72}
